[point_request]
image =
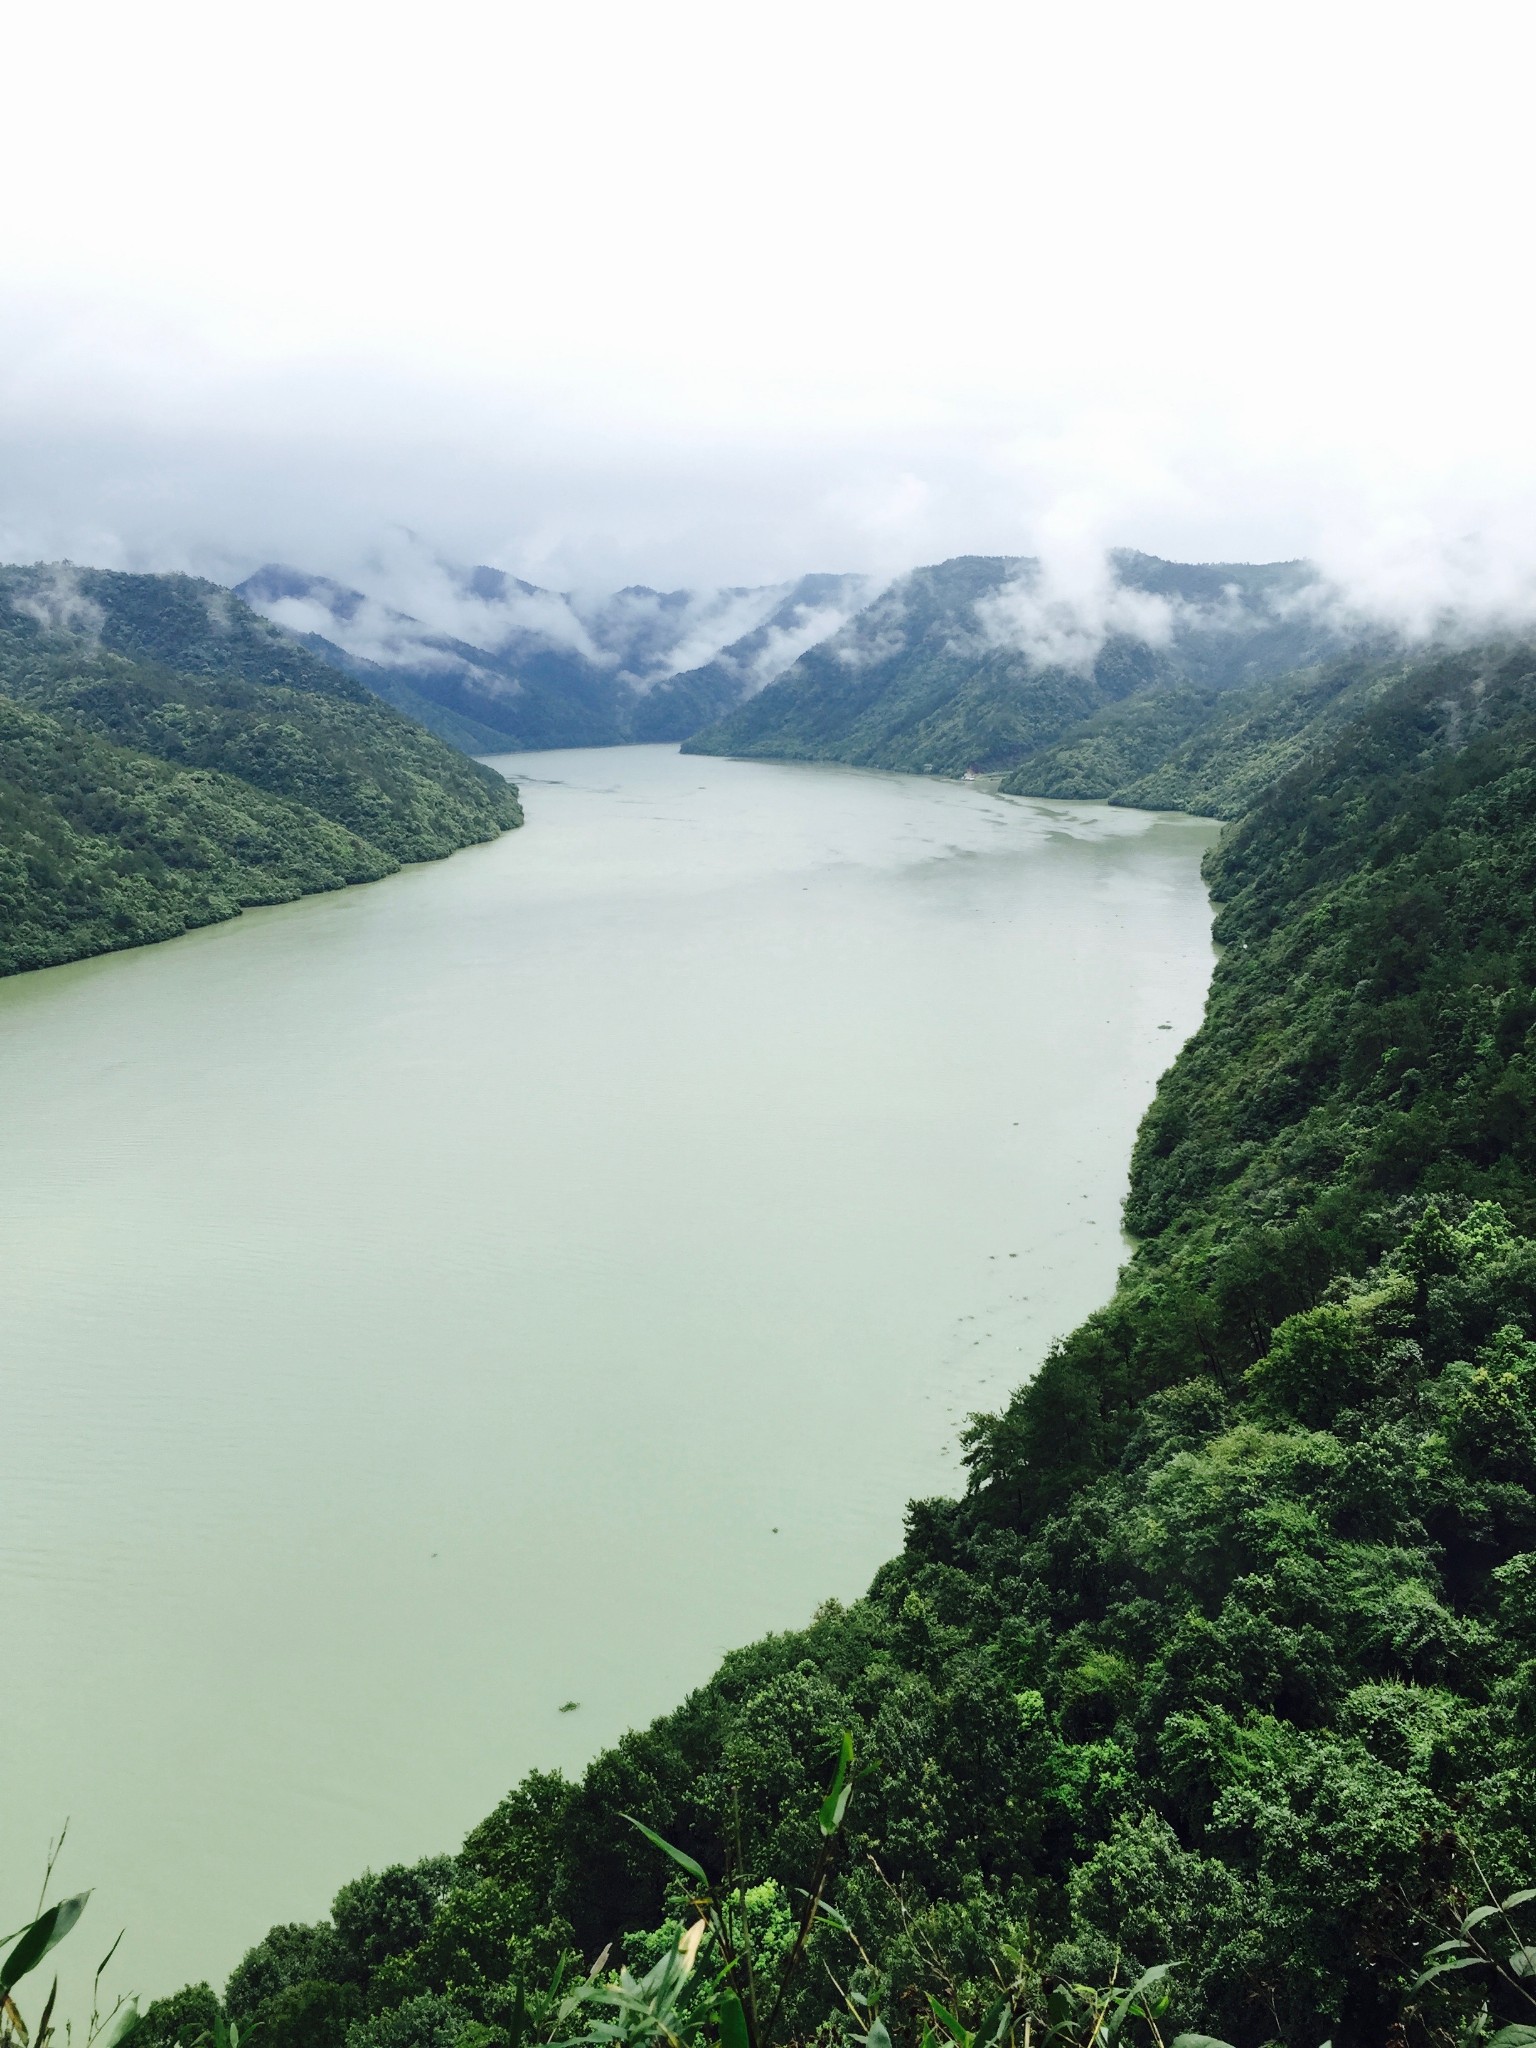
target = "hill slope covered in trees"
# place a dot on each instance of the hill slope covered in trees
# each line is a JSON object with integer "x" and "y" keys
{"x": 167, "y": 758}
{"x": 1227, "y": 1657}
{"x": 978, "y": 663}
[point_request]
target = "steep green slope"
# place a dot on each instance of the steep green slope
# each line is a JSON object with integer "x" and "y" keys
{"x": 101, "y": 847}
{"x": 469, "y": 734}
{"x": 140, "y": 798}
{"x": 178, "y": 622}
{"x": 1227, "y": 1658}
{"x": 1204, "y": 751}
{"x": 811, "y": 610}
{"x": 1117, "y": 747}
{"x": 944, "y": 671}
{"x": 911, "y": 683}
{"x": 1366, "y": 1037}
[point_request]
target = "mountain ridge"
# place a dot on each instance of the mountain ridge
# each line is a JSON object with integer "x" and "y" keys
{"x": 167, "y": 758}
{"x": 527, "y": 667}
{"x": 980, "y": 662}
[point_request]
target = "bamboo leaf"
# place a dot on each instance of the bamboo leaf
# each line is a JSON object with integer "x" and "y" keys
{"x": 949, "y": 2023}
{"x": 733, "y": 2022}
{"x": 119, "y": 2028}
{"x": 995, "y": 2025}
{"x": 1439, "y": 1970}
{"x": 835, "y": 1805}
{"x": 1477, "y": 1916}
{"x": 45, "y": 1933}
{"x": 1508, "y": 1905}
{"x": 42, "y": 2025}
{"x": 1514, "y": 2037}
{"x": 1155, "y": 1975}
{"x": 682, "y": 1861}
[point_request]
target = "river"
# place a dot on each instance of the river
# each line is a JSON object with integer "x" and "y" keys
{"x": 519, "y": 1281}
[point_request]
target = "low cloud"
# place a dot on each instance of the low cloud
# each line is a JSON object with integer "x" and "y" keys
{"x": 879, "y": 634}
{"x": 1409, "y": 586}
{"x": 419, "y": 611}
{"x": 57, "y": 602}
{"x": 487, "y": 612}
{"x": 664, "y": 633}
{"x": 1406, "y": 577}
{"x": 1061, "y": 612}
{"x": 783, "y": 645}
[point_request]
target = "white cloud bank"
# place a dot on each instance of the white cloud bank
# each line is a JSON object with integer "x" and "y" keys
{"x": 678, "y": 296}
{"x": 1062, "y": 615}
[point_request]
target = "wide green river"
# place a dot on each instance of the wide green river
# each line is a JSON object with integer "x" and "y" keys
{"x": 519, "y": 1281}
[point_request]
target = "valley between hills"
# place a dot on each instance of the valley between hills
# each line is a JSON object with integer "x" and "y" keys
{"x": 1219, "y": 1675}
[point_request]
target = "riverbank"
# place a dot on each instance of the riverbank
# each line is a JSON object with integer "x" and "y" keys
{"x": 360, "y": 1249}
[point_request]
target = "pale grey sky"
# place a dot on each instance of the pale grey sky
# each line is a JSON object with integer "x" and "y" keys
{"x": 701, "y": 293}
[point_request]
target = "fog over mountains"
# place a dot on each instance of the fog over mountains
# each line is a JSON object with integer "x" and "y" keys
{"x": 976, "y": 662}
{"x": 489, "y": 661}
{"x": 980, "y": 661}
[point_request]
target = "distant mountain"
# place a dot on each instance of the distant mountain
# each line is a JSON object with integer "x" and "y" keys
{"x": 808, "y": 612}
{"x": 981, "y": 662}
{"x": 168, "y": 757}
{"x": 490, "y": 662}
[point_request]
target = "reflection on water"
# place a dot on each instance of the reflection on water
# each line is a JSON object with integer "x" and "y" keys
{"x": 521, "y": 1280}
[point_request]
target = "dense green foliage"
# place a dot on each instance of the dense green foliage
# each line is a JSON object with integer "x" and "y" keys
{"x": 467, "y": 730}
{"x": 912, "y": 685}
{"x": 1214, "y": 753}
{"x": 930, "y": 677}
{"x": 1227, "y": 1657}
{"x": 167, "y": 758}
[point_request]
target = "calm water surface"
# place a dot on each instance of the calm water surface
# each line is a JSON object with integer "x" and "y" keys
{"x": 522, "y": 1280}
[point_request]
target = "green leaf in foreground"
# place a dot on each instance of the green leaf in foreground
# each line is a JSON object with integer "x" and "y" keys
{"x": 835, "y": 1805}
{"x": 117, "y": 2030}
{"x": 684, "y": 1862}
{"x": 45, "y": 1933}
{"x": 733, "y": 2022}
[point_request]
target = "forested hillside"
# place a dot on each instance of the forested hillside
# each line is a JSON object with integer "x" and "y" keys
{"x": 979, "y": 662}
{"x": 1227, "y": 1658}
{"x": 974, "y": 663}
{"x": 167, "y": 758}
{"x": 1201, "y": 750}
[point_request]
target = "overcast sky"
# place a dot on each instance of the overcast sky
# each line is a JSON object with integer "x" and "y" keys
{"x": 676, "y": 292}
